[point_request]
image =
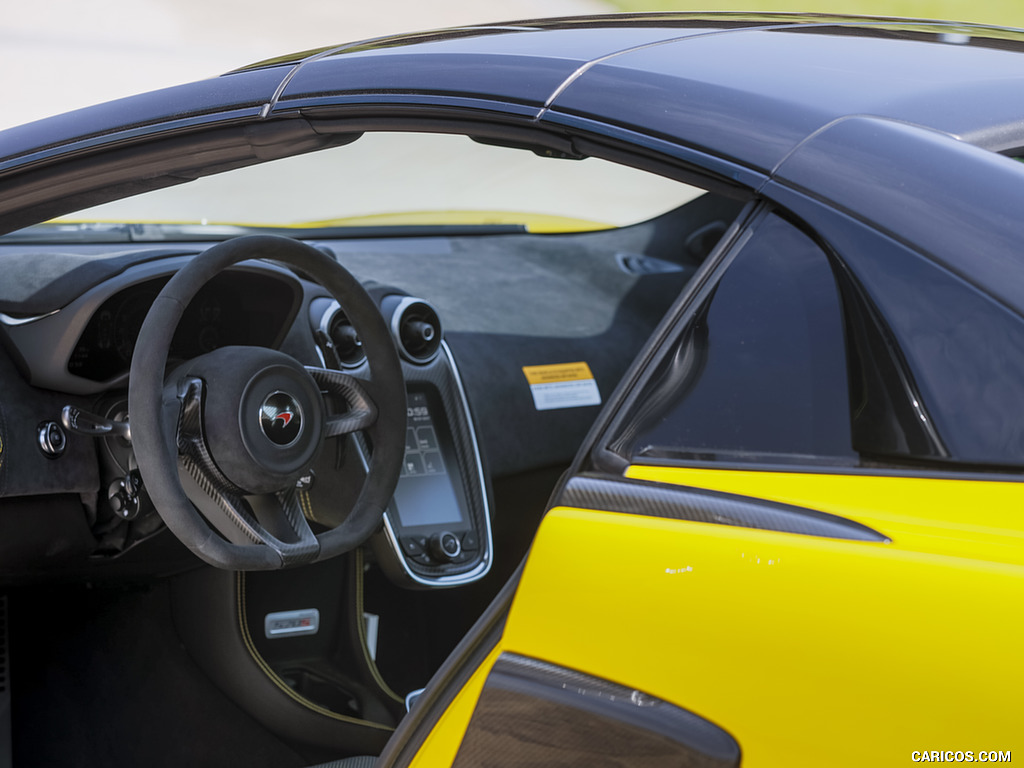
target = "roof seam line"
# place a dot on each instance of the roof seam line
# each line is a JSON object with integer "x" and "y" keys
{"x": 831, "y": 123}
{"x": 271, "y": 105}
{"x": 583, "y": 68}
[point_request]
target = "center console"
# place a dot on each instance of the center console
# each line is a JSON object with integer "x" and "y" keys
{"x": 436, "y": 530}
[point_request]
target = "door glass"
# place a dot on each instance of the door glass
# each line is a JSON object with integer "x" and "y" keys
{"x": 760, "y": 370}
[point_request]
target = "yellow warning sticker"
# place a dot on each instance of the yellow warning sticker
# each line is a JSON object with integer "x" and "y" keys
{"x": 549, "y": 374}
{"x": 565, "y": 385}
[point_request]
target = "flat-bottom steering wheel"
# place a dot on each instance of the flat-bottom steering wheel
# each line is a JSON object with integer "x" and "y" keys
{"x": 241, "y": 425}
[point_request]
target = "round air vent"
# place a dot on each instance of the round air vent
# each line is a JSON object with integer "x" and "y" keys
{"x": 343, "y": 336}
{"x": 416, "y": 328}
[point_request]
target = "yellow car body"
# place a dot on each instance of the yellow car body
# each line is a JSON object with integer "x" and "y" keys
{"x": 791, "y": 643}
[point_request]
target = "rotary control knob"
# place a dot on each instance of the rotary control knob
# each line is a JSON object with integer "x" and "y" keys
{"x": 52, "y": 440}
{"x": 123, "y": 495}
{"x": 445, "y": 546}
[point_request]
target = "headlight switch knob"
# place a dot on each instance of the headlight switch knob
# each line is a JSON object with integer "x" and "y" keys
{"x": 52, "y": 440}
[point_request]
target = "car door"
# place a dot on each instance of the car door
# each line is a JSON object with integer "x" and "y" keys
{"x": 782, "y": 544}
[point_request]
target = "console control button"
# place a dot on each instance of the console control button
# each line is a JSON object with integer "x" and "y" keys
{"x": 463, "y": 557}
{"x": 414, "y": 545}
{"x": 470, "y": 541}
{"x": 445, "y": 546}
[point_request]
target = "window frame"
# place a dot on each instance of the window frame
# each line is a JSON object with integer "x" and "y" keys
{"x": 600, "y": 454}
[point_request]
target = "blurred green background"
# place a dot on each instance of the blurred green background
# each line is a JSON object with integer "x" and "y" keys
{"x": 1007, "y": 13}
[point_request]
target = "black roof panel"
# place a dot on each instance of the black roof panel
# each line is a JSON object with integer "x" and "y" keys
{"x": 519, "y": 66}
{"x": 754, "y": 94}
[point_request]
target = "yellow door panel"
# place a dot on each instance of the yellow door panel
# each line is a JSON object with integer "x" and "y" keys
{"x": 977, "y": 519}
{"x": 809, "y": 651}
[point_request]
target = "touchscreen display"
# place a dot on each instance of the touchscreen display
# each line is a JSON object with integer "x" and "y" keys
{"x": 424, "y": 495}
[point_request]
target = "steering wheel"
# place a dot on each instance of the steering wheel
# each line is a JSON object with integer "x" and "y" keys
{"x": 241, "y": 425}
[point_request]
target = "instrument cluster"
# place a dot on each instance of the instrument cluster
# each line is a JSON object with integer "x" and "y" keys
{"x": 235, "y": 307}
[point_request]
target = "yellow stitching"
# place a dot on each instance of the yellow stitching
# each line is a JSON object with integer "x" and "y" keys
{"x": 307, "y": 509}
{"x": 285, "y": 688}
{"x": 306, "y": 502}
{"x": 362, "y": 631}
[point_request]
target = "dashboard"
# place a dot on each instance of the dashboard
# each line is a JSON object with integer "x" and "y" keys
{"x": 436, "y": 530}
{"x": 470, "y": 316}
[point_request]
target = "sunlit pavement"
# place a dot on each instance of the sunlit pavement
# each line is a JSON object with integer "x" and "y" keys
{"x": 58, "y": 55}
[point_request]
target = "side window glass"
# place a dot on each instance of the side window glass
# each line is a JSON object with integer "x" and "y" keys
{"x": 760, "y": 372}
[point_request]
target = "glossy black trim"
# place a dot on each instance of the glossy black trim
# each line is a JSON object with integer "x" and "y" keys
{"x": 702, "y": 506}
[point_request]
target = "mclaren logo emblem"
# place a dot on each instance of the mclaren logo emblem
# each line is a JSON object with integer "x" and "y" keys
{"x": 281, "y": 418}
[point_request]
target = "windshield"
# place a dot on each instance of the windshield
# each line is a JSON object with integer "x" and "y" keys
{"x": 393, "y": 180}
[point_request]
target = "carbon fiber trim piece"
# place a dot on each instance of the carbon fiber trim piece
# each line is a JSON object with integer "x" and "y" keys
{"x": 230, "y": 505}
{"x": 702, "y": 506}
{"x": 535, "y": 713}
{"x": 350, "y": 762}
{"x": 194, "y": 457}
{"x": 192, "y": 440}
{"x": 362, "y": 411}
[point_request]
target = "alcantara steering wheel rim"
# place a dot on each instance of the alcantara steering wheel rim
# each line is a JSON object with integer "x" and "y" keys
{"x": 156, "y": 409}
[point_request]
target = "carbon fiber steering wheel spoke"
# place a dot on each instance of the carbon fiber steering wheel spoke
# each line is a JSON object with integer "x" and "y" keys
{"x": 276, "y": 521}
{"x": 361, "y": 414}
